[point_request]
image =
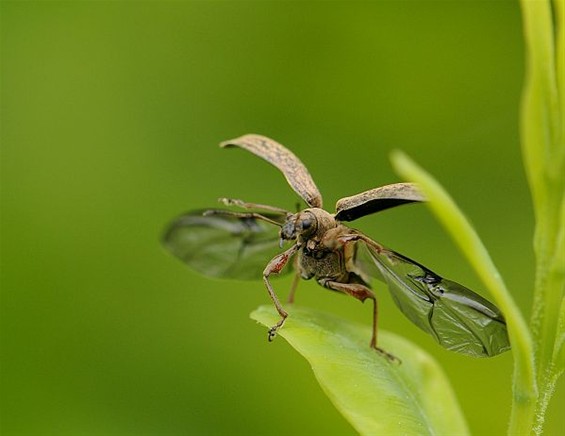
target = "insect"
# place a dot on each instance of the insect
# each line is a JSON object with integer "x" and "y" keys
{"x": 228, "y": 243}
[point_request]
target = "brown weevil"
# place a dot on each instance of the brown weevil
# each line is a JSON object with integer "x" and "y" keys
{"x": 237, "y": 244}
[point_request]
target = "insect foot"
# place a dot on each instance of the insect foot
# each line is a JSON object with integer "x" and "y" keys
{"x": 390, "y": 357}
{"x": 272, "y": 333}
{"x": 273, "y": 330}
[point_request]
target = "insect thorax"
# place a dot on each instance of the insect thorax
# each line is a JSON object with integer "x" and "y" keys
{"x": 316, "y": 260}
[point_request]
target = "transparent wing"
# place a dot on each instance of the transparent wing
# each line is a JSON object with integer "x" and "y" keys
{"x": 223, "y": 245}
{"x": 458, "y": 318}
{"x": 365, "y": 263}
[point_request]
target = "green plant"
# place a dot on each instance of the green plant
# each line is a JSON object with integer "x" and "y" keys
{"x": 543, "y": 150}
{"x": 394, "y": 399}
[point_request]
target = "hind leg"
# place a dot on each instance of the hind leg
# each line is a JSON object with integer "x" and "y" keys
{"x": 361, "y": 293}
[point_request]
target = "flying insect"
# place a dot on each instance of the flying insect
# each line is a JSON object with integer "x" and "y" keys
{"x": 237, "y": 244}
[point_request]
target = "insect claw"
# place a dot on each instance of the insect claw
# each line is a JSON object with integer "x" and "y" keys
{"x": 390, "y": 357}
{"x": 273, "y": 329}
{"x": 272, "y": 333}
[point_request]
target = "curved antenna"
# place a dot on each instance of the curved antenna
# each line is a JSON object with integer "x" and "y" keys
{"x": 276, "y": 154}
{"x": 375, "y": 200}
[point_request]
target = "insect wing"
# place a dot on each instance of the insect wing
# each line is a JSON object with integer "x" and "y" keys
{"x": 223, "y": 245}
{"x": 365, "y": 265}
{"x": 295, "y": 172}
{"x": 376, "y": 200}
{"x": 459, "y": 319}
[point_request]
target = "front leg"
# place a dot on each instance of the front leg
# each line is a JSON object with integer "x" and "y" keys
{"x": 275, "y": 266}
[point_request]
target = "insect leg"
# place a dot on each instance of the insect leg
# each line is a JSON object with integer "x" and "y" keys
{"x": 295, "y": 281}
{"x": 275, "y": 266}
{"x": 362, "y": 293}
{"x": 351, "y": 237}
{"x": 251, "y": 215}
{"x": 246, "y": 205}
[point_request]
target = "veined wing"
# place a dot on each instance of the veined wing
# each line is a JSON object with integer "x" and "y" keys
{"x": 458, "y": 318}
{"x": 218, "y": 244}
{"x": 365, "y": 264}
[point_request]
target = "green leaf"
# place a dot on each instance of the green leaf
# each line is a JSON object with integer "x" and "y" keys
{"x": 375, "y": 395}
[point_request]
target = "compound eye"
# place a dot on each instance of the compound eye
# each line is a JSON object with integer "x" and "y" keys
{"x": 307, "y": 223}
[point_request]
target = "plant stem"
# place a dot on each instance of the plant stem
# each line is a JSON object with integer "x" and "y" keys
{"x": 522, "y": 416}
{"x": 543, "y": 148}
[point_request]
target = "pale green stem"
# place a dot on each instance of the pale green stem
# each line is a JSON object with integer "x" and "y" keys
{"x": 542, "y": 146}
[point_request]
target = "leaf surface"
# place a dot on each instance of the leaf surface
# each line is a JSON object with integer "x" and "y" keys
{"x": 375, "y": 395}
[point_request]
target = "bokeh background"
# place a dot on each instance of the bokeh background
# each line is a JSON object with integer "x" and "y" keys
{"x": 111, "y": 116}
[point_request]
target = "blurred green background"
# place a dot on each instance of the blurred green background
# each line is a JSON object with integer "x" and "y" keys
{"x": 111, "y": 116}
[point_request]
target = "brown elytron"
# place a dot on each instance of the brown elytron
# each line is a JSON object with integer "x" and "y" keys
{"x": 295, "y": 172}
{"x": 229, "y": 244}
